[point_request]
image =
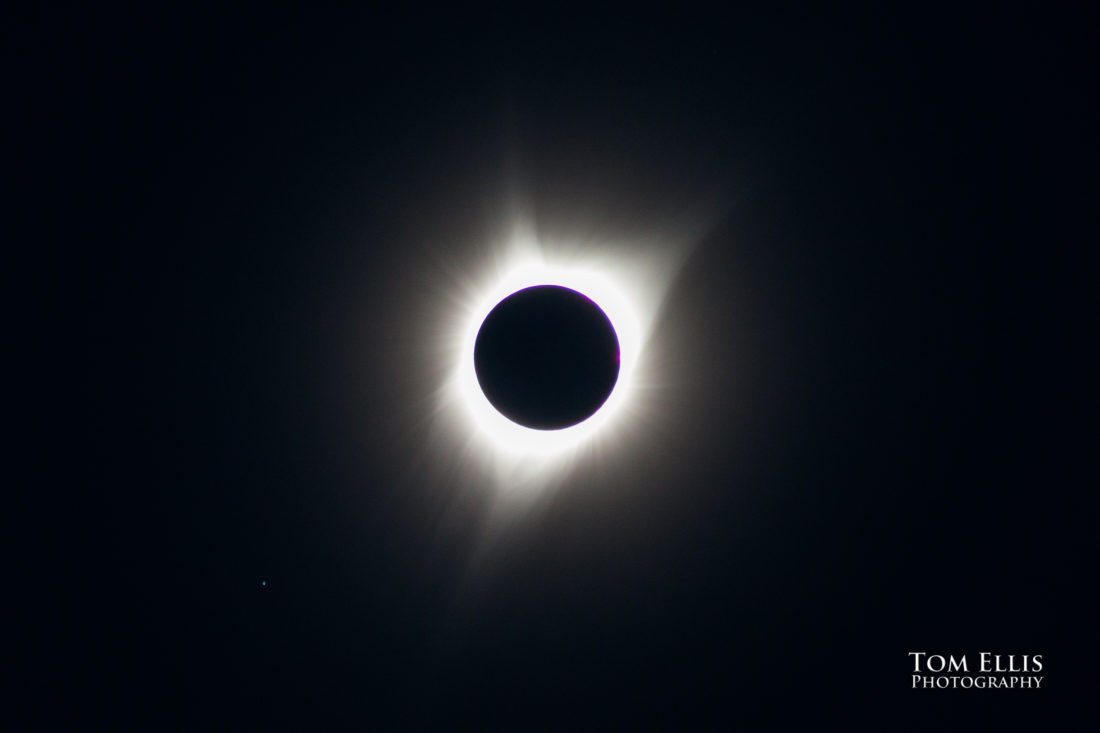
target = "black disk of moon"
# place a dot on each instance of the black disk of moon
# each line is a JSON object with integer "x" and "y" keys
{"x": 546, "y": 357}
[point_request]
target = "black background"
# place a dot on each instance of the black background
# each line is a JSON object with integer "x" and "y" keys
{"x": 870, "y": 447}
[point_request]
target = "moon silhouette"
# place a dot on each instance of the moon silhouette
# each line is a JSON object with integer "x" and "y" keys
{"x": 547, "y": 357}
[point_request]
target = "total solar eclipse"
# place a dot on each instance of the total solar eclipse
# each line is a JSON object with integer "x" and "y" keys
{"x": 546, "y": 357}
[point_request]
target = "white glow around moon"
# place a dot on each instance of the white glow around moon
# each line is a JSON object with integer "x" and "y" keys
{"x": 509, "y": 436}
{"x": 627, "y": 281}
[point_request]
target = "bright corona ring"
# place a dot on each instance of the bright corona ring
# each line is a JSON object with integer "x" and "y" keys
{"x": 538, "y": 279}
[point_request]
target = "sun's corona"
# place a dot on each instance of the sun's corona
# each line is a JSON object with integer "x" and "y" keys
{"x": 508, "y": 436}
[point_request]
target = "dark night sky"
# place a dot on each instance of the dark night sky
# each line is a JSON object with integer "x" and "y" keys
{"x": 872, "y": 445}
